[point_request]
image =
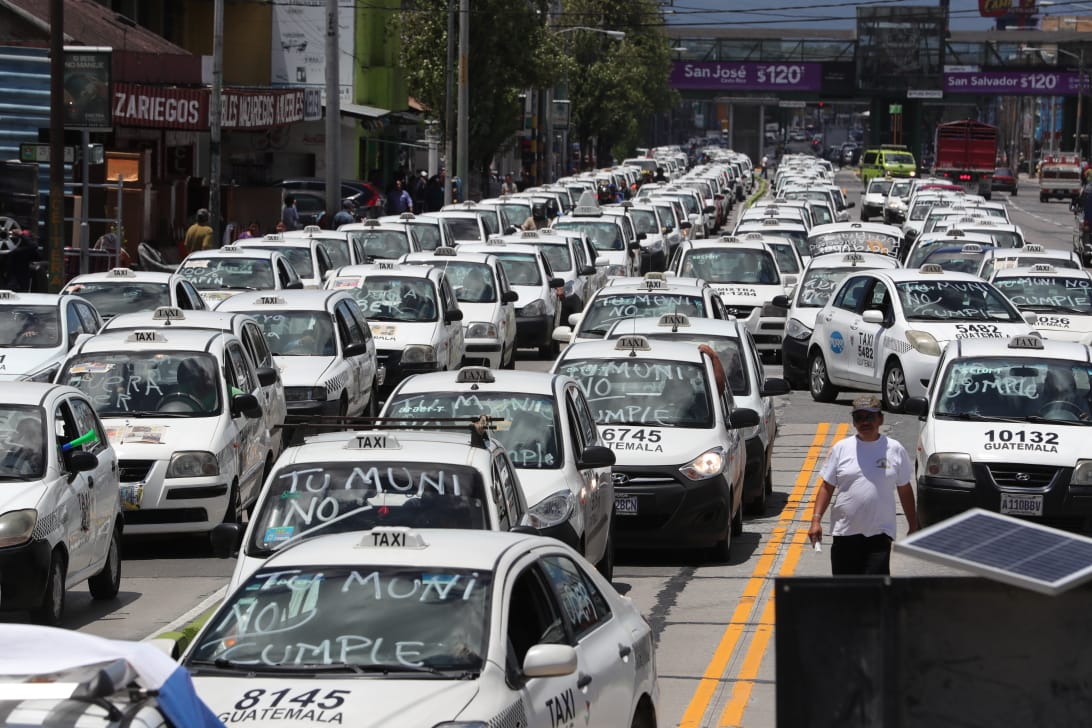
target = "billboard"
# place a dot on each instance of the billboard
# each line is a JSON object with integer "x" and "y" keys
{"x": 1001, "y": 8}
{"x": 899, "y": 48}
{"x": 298, "y": 55}
{"x": 87, "y": 88}
{"x": 743, "y": 76}
{"x": 1022, "y": 83}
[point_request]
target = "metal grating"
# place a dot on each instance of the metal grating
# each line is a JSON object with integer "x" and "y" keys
{"x": 1006, "y": 549}
{"x": 132, "y": 471}
{"x": 1018, "y": 475}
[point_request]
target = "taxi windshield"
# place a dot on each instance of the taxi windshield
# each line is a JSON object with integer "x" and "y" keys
{"x": 393, "y": 619}
{"x": 528, "y": 426}
{"x": 899, "y": 158}
{"x": 298, "y": 258}
{"x": 32, "y": 327}
{"x": 113, "y": 298}
{"x": 141, "y": 383}
{"x": 1001, "y": 238}
{"x": 960, "y": 301}
{"x": 648, "y": 392}
{"x": 785, "y": 254}
{"x": 211, "y": 274}
{"x": 520, "y": 269}
{"x": 604, "y": 235}
{"x": 517, "y": 212}
{"x": 472, "y": 282}
{"x": 297, "y": 333}
{"x": 879, "y": 186}
{"x": 605, "y": 310}
{"x": 393, "y": 298}
{"x": 956, "y": 259}
{"x": 22, "y": 442}
{"x": 819, "y": 285}
{"x": 1011, "y": 387}
{"x": 1048, "y": 294}
{"x": 821, "y": 214}
{"x": 729, "y": 352}
{"x": 558, "y": 256}
{"x": 381, "y": 244}
{"x": 900, "y": 189}
{"x": 644, "y": 221}
{"x": 335, "y": 497}
{"x": 728, "y": 265}
{"x": 921, "y": 210}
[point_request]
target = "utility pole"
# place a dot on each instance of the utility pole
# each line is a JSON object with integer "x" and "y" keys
{"x": 215, "y": 132}
{"x": 56, "y": 144}
{"x": 449, "y": 104}
{"x": 333, "y": 113}
{"x": 1080, "y": 103}
{"x": 462, "y": 160}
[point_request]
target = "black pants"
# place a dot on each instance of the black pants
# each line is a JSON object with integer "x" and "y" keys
{"x": 861, "y": 554}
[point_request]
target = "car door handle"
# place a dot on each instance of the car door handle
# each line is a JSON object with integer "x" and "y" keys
{"x": 583, "y": 681}
{"x": 624, "y": 651}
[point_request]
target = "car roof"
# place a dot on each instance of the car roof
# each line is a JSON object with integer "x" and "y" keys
{"x": 671, "y": 284}
{"x": 503, "y": 381}
{"x": 277, "y": 240}
{"x": 720, "y": 244}
{"x": 173, "y": 340}
{"x": 546, "y": 236}
{"x": 1052, "y": 349}
{"x": 215, "y": 320}
{"x": 500, "y": 247}
{"x": 422, "y": 446}
{"x": 617, "y": 349}
{"x": 842, "y": 259}
{"x": 290, "y": 300}
{"x": 12, "y": 298}
{"x": 307, "y": 234}
{"x": 385, "y": 268}
{"x": 1041, "y": 270}
{"x": 394, "y": 226}
{"x": 901, "y": 275}
{"x": 465, "y": 256}
{"x": 842, "y": 227}
{"x": 33, "y": 393}
{"x": 125, "y": 275}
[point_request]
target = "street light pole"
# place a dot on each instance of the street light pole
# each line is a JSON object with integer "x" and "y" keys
{"x": 1080, "y": 102}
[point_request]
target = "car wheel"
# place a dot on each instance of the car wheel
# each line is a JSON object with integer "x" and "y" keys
{"x": 819, "y": 381}
{"x": 1014, "y": 192}
{"x": 105, "y": 584}
{"x": 605, "y": 565}
{"x": 757, "y": 505}
{"x": 864, "y": 217}
{"x": 51, "y": 608}
{"x": 511, "y": 363}
{"x": 1042, "y": 198}
{"x": 721, "y": 551}
{"x": 231, "y": 513}
{"x": 894, "y": 387}
{"x": 645, "y": 717}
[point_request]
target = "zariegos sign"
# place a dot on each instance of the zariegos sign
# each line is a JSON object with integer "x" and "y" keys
{"x": 1001, "y": 8}
{"x": 163, "y": 107}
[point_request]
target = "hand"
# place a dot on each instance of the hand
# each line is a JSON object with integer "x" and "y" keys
{"x": 815, "y": 532}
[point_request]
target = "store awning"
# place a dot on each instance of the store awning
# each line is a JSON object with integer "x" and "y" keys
{"x": 362, "y": 112}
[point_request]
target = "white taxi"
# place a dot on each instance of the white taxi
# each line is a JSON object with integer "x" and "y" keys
{"x": 340, "y": 249}
{"x": 628, "y": 298}
{"x": 306, "y": 254}
{"x": 751, "y": 388}
{"x": 429, "y": 231}
{"x": 398, "y": 627}
{"x": 222, "y": 273}
{"x": 414, "y": 317}
{"x": 60, "y": 519}
{"x": 566, "y": 258}
{"x": 606, "y": 234}
{"x": 998, "y": 259}
{"x": 181, "y": 410}
{"x": 666, "y": 410}
{"x": 546, "y": 426}
{"x": 486, "y": 300}
{"x": 1060, "y": 298}
{"x": 745, "y": 274}
{"x": 538, "y": 309}
{"x": 124, "y": 290}
{"x": 37, "y": 330}
{"x": 884, "y": 330}
{"x": 323, "y": 347}
{"x": 446, "y": 475}
{"x": 378, "y": 240}
{"x": 1005, "y": 428}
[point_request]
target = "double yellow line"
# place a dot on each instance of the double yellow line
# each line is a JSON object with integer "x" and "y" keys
{"x": 756, "y": 591}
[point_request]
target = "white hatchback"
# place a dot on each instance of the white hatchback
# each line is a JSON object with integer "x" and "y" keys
{"x": 1060, "y": 298}
{"x": 124, "y": 290}
{"x": 37, "y": 330}
{"x": 222, "y": 273}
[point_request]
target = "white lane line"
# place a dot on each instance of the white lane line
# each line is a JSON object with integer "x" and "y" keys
{"x": 202, "y": 607}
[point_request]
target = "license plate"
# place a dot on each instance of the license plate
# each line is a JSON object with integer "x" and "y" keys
{"x": 1021, "y": 505}
{"x": 625, "y": 505}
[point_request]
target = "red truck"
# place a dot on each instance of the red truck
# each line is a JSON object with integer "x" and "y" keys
{"x": 966, "y": 153}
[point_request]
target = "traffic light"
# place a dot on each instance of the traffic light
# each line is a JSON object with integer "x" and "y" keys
{"x": 822, "y": 104}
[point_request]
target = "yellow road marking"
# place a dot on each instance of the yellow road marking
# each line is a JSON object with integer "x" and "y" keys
{"x": 714, "y": 671}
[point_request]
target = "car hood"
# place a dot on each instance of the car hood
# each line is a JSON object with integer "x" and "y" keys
{"x": 983, "y": 441}
{"x": 1064, "y": 327}
{"x": 368, "y": 702}
{"x": 17, "y": 495}
{"x": 874, "y": 199}
{"x": 527, "y": 294}
{"x": 303, "y": 371}
{"x": 400, "y": 334}
{"x": 945, "y": 332}
{"x": 214, "y": 298}
{"x": 660, "y": 446}
{"x": 484, "y": 312}
{"x": 16, "y": 361}
{"x": 805, "y": 316}
{"x": 147, "y": 438}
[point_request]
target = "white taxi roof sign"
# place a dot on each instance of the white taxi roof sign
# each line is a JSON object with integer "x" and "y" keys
{"x": 1033, "y": 248}
{"x": 168, "y": 313}
{"x": 971, "y": 248}
{"x": 632, "y": 342}
{"x": 230, "y": 249}
{"x": 931, "y": 268}
{"x": 146, "y": 337}
{"x": 674, "y": 320}
{"x": 655, "y": 276}
{"x": 475, "y": 375}
{"x": 1043, "y": 268}
{"x": 528, "y": 234}
{"x": 1025, "y": 342}
{"x": 275, "y": 237}
{"x": 444, "y": 250}
{"x": 653, "y": 283}
{"x": 748, "y": 236}
{"x": 8, "y": 296}
{"x": 407, "y": 216}
{"x": 270, "y": 301}
{"x": 393, "y": 537}
{"x": 122, "y": 273}
{"x": 853, "y": 258}
{"x": 373, "y": 441}
{"x": 386, "y": 265}
{"x": 495, "y": 240}
{"x": 732, "y": 238}
{"x": 312, "y": 229}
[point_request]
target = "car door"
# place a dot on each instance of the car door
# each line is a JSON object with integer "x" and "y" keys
{"x": 864, "y": 338}
{"x": 254, "y": 440}
{"x": 271, "y": 397}
{"x": 75, "y": 502}
{"x": 102, "y": 481}
{"x": 452, "y": 329}
{"x": 188, "y": 297}
{"x": 361, "y": 365}
{"x": 836, "y": 320}
{"x": 604, "y": 675}
{"x": 596, "y": 482}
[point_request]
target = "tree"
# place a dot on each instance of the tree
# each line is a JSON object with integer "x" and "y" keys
{"x": 510, "y": 51}
{"x": 615, "y": 86}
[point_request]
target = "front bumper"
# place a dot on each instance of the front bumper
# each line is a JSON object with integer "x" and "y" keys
{"x": 940, "y": 498}
{"x": 919, "y": 369}
{"x": 565, "y": 533}
{"x": 24, "y": 570}
{"x": 152, "y": 503}
{"x": 487, "y": 352}
{"x": 534, "y": 331}
{"x": 671, "y": 512}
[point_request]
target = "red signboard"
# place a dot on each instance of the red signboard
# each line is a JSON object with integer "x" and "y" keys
{"x": 999, "y": 8}
{"x": 164, "y": 107}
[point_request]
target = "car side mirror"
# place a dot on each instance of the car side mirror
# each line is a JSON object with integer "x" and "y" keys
{"x": 509, "y": 297}
{"x": 564, "y": 334}
{"x": 268, "y": 376}
{"x": 330, "y": 273}
{"x": 710, "y": 209}
{"x": 294, "y": 286}
{"x": 740, "y": 418}
{"x": 587, "y": 270}
{"x": 549, "y": 661}
{"x": 79, "y": 461}
{"x": 224, "y": 538}
{"x": 872, "y": 316}
{"x": 775, "y": 387}
{"x": 452, "y": 316}
{"x": 246, "y": 405}
{"x": 575, "y": 318}
{"x": 916, "y": 406}
{"x": 355, "y": 349}
{"x": 850, "y": 204}
{"x": 555, "y": 282}
{"x": 596, "y": 456}
{"x": 781, "y": 301}
{"x": 601, "y": 262}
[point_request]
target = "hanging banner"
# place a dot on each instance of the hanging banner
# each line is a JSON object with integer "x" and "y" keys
{"x": 1030, "y": 82}
{"x": 162, "y": 107}
{"x": 735, "y": 76}
{"x": 87, "y": 88}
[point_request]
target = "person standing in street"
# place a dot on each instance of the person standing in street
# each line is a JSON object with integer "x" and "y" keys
{"x": 765, "y": 164}
{"x": 865, "y": 471}
{"x": 290, "y": 216}
{"x": 345, "y": 215}
{"x": 199, "y": 235}
{"x": 399, "y": 200}
{"x": 508, "y": 187}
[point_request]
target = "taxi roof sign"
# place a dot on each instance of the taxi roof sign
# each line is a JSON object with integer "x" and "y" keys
{"x": 971, "y": 248}
{"x": 528, "y": 234}
{"x": 230, "y": 249}
{"x": 674, "y": 320}
{"x": 8, "y": 296}
{"x": 168, "y": 314}
{"x": 1043, "y": 268}
{"x": 407, "y": 216}
{"x": 146, "y": 337}
{"x": 475, "y": 375}
{"x": 270, "y": 301}
{"x": 312, "y": 229}
{"x": 1033, "y": 248}
{"x": 733, "y": 238}
{"x": 495, "y": 240}
{"x": 373, "y": 441}
{"x": 393, "y": 537}
{"x": 931, "y": 268}
{"x": 386, "y": 265}
{"x": 655, "y": 276}
{"x": 654, "y": 283}
{"x": 853, "y": 258}
{"x": 444, "y": 250}
{"x": 372, "y": 222}
{"x": 122, "y": 273}
{"x": 632, "y": 343}
{"x": 274, "y": 237}
{"x": 1025, "y": 342}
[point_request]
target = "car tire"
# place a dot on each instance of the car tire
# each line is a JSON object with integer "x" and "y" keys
{"x": 511, "y": 363}
{"x": 51, "y": 608}
{"x": 372, "y": 409}
{"x": 1014, "y": 192}
{"x": 721, "y": 551}
{"x": 864, "y": 217}
{"x": 819, "y": 379}
{"x": 737, "y": 519}
{"x": 105, "y": 584}
{"x": 605, "y": 565}
{"x": 894, "y": 387}
{"x": 645, "y": 717}
{"x": 1042, "y": 198}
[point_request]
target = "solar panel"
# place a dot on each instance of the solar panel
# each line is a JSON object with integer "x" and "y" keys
{"x": 1005, "y": 549}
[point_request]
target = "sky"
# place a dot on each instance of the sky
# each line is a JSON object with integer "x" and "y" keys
{"x": 826, "y": 14}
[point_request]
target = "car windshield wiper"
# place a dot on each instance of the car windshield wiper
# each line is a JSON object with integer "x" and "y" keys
{"x": 977, "y": 416}
{"x": 1070, "y": 310}
{"x": 594, "y": 332}
{"x": 385, "y": 668}
{"x": 1054, "y": 421}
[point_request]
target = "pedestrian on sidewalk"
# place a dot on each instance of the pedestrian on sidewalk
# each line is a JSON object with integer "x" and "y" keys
{"x": 865, "y": 471}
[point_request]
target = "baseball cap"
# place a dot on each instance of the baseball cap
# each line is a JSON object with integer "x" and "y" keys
{"x": 867, "y": 403}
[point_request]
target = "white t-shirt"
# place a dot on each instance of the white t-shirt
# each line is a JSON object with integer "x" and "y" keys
{"x": 865, "y": 476}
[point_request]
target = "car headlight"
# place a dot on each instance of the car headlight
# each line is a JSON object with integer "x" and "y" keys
{"x": 418, "y": 354}
{"x": 913, "y": 173}
{"x": 707, "y": 465}
{"x": 481, "y": 330}
{"x": 304, "y": 394}
{"x": 952, "y": 465}
{"x": 796, "y": 330}
{"x": 1082, "y": 474}
{"x": 192, "y": 464}
{"x": 534, "y": 308}
{"x": 616, "y": 270}
{"x": 42, "y": 375}
{"x": 923, "y": 342}
{"x": 552, "y": 510}
{"x": 16, "y": 527}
